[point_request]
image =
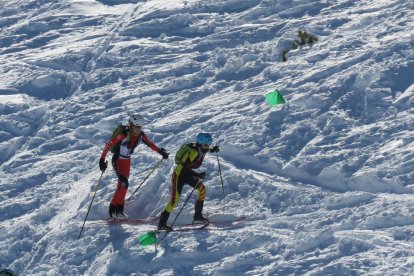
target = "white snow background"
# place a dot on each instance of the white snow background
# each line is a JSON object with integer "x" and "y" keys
{"x": 326, "y": 181}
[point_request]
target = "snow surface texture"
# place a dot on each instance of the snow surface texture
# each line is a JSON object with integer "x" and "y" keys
{"x": 326, "y": 181}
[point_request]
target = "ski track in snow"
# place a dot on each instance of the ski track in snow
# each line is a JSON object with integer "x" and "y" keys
{"x": 326, "y": 181}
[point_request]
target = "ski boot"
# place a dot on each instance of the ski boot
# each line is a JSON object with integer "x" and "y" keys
{"x": 162, "y": 225}
{"x": 200, "y": 218}
{"x": 112, "y": 211}
{"x": 120, "y": 213}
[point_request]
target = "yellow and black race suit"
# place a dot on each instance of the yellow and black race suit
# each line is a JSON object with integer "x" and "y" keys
{"x": 184, "y": 174}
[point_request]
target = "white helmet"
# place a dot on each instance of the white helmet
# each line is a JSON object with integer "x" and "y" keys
{"x": 137, "y": 120}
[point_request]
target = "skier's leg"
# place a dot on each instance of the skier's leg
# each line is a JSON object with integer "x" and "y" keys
{"x": 201, "y": 189}
{"x": 177, "y": 187}
{"x": 122, "y": 168}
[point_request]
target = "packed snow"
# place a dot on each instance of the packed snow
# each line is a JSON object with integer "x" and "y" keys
{"x": 326, "y": 181}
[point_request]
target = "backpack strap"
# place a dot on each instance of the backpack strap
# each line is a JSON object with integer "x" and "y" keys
{"x": 125, "y": 131}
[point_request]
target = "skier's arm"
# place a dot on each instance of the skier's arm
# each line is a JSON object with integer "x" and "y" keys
{"x": 192, "y": 164}
{"x": 148, "y": 142}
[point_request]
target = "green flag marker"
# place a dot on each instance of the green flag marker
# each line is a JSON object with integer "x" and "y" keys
{"x": 148, "y": 238}
{"x": 275, "y": 98}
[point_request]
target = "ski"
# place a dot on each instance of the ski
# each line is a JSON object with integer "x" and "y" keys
{"x": 187, "y": 227}
{"x": 130, "y": 220}
{"x": 206, "y": 225}
{"x": 223, "y": 223}
{"x": 209, "y": 225}
{"x": 148, "y": 220}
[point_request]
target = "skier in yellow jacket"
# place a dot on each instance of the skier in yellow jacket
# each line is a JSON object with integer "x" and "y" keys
{"x": 189, "y": 157}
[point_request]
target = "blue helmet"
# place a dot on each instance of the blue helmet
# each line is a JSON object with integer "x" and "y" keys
{"x": 204, "y": 138}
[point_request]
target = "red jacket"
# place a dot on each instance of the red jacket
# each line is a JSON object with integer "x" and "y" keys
{"x": 126, "y": 148}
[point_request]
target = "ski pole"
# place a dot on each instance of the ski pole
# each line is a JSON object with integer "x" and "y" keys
{"x": 153, "y": 169}
{"x": 221, "y": 178}
{"x": 166, "y": 233}
{"x": 90, "y": 205}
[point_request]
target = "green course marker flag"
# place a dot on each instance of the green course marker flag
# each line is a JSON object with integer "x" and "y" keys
{"x": 148, "y": 238}
{"x": 275, "y": 98}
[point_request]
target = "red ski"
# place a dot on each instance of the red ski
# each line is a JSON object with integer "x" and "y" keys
{"x": 131, "y": 220}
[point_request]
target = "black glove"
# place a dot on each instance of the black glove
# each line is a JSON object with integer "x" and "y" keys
{"x": 215, "y": 149}
{"x": 164, "y": 153}
{"x": 202, "y": 175}
{"x": 102, "y": 164}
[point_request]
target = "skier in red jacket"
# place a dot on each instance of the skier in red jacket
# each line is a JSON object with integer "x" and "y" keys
{"x": 123, "y": 146}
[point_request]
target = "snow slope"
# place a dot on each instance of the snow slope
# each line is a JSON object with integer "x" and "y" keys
{"x": 326, "y": 181}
